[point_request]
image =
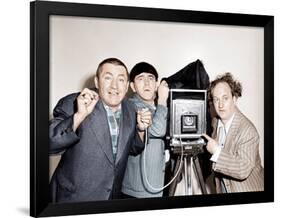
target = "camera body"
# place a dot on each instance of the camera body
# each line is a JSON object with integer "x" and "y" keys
{"x": 188, "y": 116}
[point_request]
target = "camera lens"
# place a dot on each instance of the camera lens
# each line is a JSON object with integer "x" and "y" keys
{"x": 188, "y": 120}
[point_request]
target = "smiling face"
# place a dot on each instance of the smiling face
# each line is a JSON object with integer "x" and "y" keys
{"x": 145, "y": 86}
{"x": 224, "y": 102}
{"x": 113, "y": 84}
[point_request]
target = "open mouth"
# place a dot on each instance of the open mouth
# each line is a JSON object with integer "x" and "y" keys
{"x": 113, "y": 93}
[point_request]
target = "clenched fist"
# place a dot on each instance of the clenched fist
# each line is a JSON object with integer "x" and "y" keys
{"x": 144, "y": 119}
{"x": 86, "y": 102}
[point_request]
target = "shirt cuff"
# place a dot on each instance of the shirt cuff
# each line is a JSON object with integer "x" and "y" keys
{"x": 215, "y": 156}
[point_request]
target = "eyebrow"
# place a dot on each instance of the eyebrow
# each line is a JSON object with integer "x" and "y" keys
{"x": 108, "y": 73}
{"x": 111, "y": 74}
{"x": 139, "y": 76}
{"x": 221, "y": 96}
{"x": 123, "y": 75}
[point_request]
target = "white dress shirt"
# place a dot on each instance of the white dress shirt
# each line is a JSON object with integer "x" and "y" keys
{"x": 222, "y": 131}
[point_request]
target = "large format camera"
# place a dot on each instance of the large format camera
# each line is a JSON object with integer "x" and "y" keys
{"x": 188, "y": 109}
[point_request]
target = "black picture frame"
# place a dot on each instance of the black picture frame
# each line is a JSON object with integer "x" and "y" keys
{"x": 39, "y": 106}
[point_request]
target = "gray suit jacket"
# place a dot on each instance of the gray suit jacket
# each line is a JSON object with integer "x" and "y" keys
{"x": 87, "y": 171}
{"x": 239, "y": 163}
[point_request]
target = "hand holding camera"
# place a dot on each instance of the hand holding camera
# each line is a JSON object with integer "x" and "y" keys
{"x": 163, "y": 93}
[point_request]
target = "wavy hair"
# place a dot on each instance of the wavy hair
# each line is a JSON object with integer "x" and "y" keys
{"x": 235, "y": 85}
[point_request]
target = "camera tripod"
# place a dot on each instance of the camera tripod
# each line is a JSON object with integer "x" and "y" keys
{"x": 188, "y": 155}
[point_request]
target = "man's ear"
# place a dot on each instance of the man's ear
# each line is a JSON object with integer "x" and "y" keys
{"x": 132, "y": 85}
{"x": 157, "y": 85}
{"x": 127, "y": 86}
{"x": 96, "y": 82}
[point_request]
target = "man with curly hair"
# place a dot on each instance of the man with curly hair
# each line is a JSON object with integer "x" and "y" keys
{"x": 234, "y": 144}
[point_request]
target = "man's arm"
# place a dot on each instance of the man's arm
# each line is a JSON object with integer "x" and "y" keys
{"x": 137, "y": 143}
{"x": 144, "y": 120}
{"x": 159, "y": 122}
{"x": 61, "y": 134}
{"x": 240, "y": 164}
{"x": 62, "y": 128}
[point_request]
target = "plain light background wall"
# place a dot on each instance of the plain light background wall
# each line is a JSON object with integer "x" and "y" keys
{"x": 14, "y": 110}
{"x": 79, "y": 44}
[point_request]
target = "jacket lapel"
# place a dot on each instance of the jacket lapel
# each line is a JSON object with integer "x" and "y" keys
{"x": 233, "y": 130}
{"x": 100, "y": 128}
{"x": 124, "y": 130}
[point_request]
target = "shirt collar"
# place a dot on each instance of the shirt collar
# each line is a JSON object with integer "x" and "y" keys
{"x": 109, "y": 110}
{"x": 227, "y": 125}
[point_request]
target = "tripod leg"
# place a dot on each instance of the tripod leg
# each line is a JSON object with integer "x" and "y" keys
{"x": 187, "y": 175}
{"x": 173, "y": 186}
{"x": 199, "y": 175}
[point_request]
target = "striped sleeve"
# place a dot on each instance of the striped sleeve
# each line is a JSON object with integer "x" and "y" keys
{"x": 240, "y": 162}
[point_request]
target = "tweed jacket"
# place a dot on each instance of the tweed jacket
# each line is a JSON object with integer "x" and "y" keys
{"x": 134, "y": 183}
{"x": 239, "y": 163}
{"x": 87, "y": 170}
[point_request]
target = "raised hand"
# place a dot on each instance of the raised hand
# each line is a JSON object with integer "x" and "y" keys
{"x": 163, "y": 93}
{"x": 86, "y": 102}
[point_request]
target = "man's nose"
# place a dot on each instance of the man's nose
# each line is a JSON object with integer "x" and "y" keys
{"x": 220, "y": 103}
{"x": 113, "y": 84}
{"x": 146, "y": 81}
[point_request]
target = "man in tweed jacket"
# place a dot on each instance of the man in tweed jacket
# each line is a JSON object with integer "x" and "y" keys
{"x": 235, "y": 141}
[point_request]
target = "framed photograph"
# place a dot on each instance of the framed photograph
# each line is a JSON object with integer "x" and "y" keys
{"x": 68, "y": 41}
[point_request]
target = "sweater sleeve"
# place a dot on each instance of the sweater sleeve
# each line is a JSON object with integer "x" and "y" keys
{"x": 159, "y": 122}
